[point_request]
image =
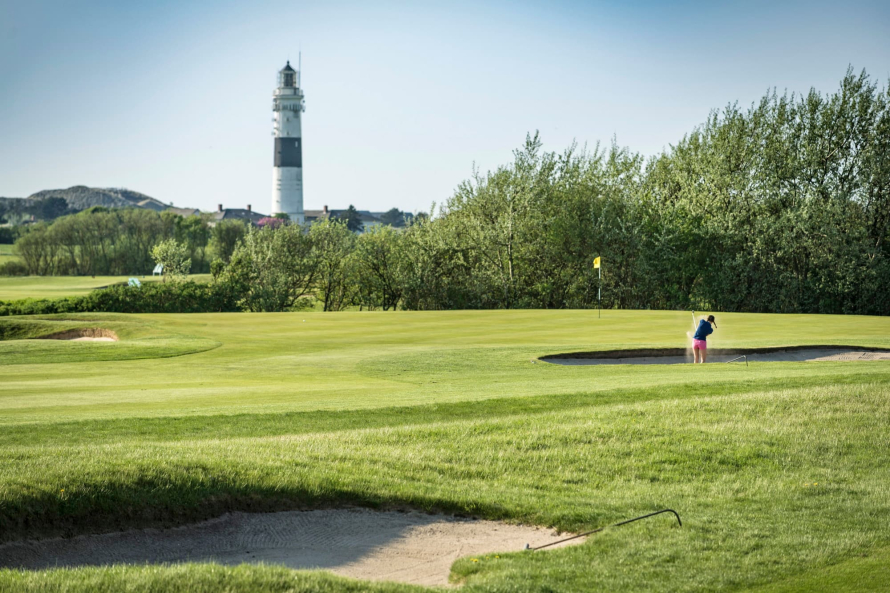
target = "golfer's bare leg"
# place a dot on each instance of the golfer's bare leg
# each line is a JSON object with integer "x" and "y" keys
{"x": 704, "y": 356}
{"x": 694, "y": 355}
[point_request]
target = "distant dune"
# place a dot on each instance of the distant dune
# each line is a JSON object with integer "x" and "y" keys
{"x": 81, "y": 197}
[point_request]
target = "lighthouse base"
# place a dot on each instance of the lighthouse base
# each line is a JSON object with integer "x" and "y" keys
{"x": 287, "y": 192}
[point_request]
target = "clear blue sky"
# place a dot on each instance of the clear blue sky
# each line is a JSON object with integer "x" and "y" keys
{"x": 173, "y": 98}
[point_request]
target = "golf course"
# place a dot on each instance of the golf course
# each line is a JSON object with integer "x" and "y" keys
{"x": 778, "y": 469}
{"x": 7, "y": 253}
{"x": 49, "y": 287}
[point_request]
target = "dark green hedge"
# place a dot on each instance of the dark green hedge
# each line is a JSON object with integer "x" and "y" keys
{"x": 156, "y": 297}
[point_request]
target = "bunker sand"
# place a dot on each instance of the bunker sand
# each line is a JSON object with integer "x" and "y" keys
{"x": 684, "y": 356}
{"x": 96, "y": 334}
{"x": 389, "y": 546}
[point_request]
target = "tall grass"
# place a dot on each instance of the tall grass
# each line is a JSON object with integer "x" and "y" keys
{"x": 767, "y": 482}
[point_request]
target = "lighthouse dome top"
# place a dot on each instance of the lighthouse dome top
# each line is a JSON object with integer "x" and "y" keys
{"x": 287, "y": 77}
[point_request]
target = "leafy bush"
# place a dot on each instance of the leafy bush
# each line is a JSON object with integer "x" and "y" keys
{"x": 154, "y": 297}
{"x": 271, "y": 222}
{"x": 173, "y": 258}
{"x": 180, "y": 297}
{"x": 78, "y": 304}
{"x": 224, "y": 238}
{"x": 274, "y": 269}
{"x": 8, "y": 234}
{"x": 114, "y": 242}
{"x": 217, "y": 267}
{"x": 13, "y": 268}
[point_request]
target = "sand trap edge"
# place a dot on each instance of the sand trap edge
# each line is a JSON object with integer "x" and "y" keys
{"x": 657, "y": 352}
{"x": 91, "y": 333}
{"x": 409, "y": 547}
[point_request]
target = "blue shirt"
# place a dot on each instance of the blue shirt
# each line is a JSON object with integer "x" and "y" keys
{"x": 703, "y": 331}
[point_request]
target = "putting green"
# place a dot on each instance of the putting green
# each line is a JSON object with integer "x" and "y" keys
{"x": 778, "y": 469}
{"x": 314, "y": 361}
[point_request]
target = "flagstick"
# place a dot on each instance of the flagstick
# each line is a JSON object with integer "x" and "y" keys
{"x": 599, "y": 299}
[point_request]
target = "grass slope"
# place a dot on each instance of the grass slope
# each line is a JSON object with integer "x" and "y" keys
{"x": 21, "y": 340}
{"x": 50, "y": 287}
{"x": 778, "y": 469}
{"x": 7, "y": 253}
{"x": 194, "y": 578}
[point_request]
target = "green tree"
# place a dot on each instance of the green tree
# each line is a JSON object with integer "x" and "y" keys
{"x": 173, "y": 256}
{"x": 194, "y": 233}
{"x": 224, "y": 238}
{"x": 139, "y": 230}
{"x": 379, "y": 259}
{"x": 274, "y": 269}
{"x": 38, "y": 250}
{"x": 353, "y": 219}
{"x": 334, "y": 244}
{"x": 396, "y": 218}
{"x": 498, "y": 217}
{"x": 436, "y": 266}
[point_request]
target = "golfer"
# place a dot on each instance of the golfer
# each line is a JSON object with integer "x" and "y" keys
{"x": 700, "y": 339}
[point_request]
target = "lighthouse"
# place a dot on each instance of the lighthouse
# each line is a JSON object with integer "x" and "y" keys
{"x": 287, "y": 171}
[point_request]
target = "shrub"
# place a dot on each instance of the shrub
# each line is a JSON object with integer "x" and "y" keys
{"x": 8, "y": 234}
{"x": 13, "y": 268}
{"x": 153, "y": 297}
{"x": 180, "y": 297}
{"x": 173, "y": 256}
{"x": 217, "y": 267}
{"x": 271, "y": 222}
{"x": 79, "y": 304}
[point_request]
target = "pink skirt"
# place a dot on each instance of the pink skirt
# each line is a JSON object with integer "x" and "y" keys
{"x": 699, "y": 344}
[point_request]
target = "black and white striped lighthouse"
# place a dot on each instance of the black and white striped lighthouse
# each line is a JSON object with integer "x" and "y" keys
{"x": 287, "y": 178}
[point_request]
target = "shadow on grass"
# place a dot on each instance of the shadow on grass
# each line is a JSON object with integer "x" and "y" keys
{"x": 171, "y": 502}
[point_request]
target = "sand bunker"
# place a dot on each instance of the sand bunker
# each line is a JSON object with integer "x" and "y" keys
{"x": 683, "y": 356}
{"x": 407, "y": 547}
{"x": 94, "y": 334}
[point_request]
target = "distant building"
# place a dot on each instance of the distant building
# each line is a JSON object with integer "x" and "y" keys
{"x": 184, "y": 212}
{"x": 235, "y": 214}
{"x": 369, "y": 219}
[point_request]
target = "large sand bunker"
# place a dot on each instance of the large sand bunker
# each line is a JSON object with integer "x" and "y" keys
{"x": 407, "y": 547}
{"x": 93, "y": 334}
{"x": 683, "y": 356}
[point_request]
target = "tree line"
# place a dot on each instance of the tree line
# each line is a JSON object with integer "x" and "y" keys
{"x": 780, "y": 207}
{"x": 102, "y": 241}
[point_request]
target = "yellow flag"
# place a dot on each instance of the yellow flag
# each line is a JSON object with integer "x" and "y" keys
{"x": 596, "y": 263}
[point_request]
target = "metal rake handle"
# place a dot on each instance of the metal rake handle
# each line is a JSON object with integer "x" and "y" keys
{"x": 680, "y": 523}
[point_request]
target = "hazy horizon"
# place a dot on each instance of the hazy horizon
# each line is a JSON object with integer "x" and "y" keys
{"x": 174, "y": 99}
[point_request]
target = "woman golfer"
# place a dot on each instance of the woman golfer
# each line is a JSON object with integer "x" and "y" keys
{"x": 700, "y": 339}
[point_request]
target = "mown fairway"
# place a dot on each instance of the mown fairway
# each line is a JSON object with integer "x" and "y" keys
{"x": 779, "y": 470}
{"x": 51, "y": 287}
{"x": 7, "y": 253}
